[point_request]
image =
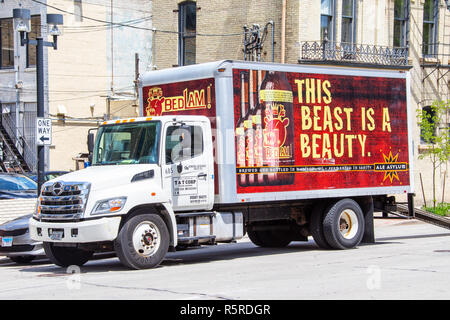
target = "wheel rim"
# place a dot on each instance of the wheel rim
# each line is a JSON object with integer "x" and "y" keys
{"x": 146, "y": 238}
{"x": 348, "y": 223}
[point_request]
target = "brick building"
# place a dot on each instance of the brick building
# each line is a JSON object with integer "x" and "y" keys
{"x": 412, "y": 35}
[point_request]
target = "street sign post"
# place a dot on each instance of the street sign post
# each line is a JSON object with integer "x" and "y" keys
{"x": 43, "y": 131}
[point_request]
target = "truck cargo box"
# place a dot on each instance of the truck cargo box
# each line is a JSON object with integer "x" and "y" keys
{"x": 290, "y": 132}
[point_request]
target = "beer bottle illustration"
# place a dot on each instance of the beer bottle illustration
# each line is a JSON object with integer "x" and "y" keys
{"x": 276, "y": 103}
{"x": 240, "y": 132}
{"x": 249, "y": 132}
{"x": 258, "y": 129}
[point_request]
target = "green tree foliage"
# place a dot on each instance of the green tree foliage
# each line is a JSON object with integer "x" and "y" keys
{"x": 434, "y": 131}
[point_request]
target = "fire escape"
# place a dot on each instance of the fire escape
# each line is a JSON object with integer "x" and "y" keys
{"x": 351, "y": 54}
{"x": 12, "y": 148}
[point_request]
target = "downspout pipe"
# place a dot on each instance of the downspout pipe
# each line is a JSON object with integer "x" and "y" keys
{"x": 283, "y": 31}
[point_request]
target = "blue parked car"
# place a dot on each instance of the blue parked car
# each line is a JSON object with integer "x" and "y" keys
{"x": 48, "y": 175}
{"x": 14, "y": 185}
{"x": 15, "y": 241}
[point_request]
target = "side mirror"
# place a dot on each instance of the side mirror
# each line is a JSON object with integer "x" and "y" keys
{"x": 90, "y": 142}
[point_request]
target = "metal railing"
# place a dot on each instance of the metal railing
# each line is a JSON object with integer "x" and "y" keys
{"x": 27, "y": 151}
{"x": 436, "y": 53}
{"x": 356, "y": 53}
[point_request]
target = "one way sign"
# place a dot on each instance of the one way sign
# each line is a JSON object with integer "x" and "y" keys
{"x": 43, "y": 131}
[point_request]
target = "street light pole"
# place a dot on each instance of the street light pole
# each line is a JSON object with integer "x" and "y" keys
{"x": 22, "y": 24}
{"x": 40, "y": 107}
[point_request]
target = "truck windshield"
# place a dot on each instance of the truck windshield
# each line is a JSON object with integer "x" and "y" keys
{"x": 127, "y": 143}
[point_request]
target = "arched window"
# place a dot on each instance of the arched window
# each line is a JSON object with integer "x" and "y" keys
{"x": 401, "y": 23}
{"x": 187, "y": 31}
{"x": 348, "y": 29}
{"x": 430, "y": 24}
{"x": 327, "y": 14}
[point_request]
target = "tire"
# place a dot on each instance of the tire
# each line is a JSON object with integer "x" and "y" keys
{"x": 316, "y": 226}
{"x": 22, "y": 259}
{"x": 66, "y": 256}
{"x": 143, "y": 241}
{"x": 343, "y": 224}
{"x": 269, "y": 238}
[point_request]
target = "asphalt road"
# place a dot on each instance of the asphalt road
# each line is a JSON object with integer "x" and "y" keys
{"x": 410, "y": 260}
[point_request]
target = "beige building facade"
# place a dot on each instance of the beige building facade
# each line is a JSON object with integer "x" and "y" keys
{"x": 90, "y": 77}
{"x": 415, "y": 33}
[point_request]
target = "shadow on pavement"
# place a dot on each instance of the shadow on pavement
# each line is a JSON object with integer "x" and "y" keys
{"x": 203, "y": 254}
{"x": 108, "y": 262}
{"x": 415, "y": 236}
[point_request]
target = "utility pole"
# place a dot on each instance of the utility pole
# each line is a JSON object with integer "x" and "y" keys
{"x": 136, "y": 79}
{"x": 22, "y": 25}
{"x": 136, "y": 74}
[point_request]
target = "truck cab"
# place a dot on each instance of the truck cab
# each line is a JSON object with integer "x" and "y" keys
{"x": 151, "y": 167}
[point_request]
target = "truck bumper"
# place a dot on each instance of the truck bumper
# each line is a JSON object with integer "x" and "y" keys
{"x": 103, "y": 229}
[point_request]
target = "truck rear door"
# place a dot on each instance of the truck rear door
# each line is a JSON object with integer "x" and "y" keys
{"x": 188, "y": 168}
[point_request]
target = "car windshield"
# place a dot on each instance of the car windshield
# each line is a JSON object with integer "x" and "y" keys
{"x": 127, "y": 143}
{"x": 16, "y": 183}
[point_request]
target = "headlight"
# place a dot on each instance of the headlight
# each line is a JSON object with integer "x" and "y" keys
{"x": 37, "y": 211}
{"x": 109, "y": 206}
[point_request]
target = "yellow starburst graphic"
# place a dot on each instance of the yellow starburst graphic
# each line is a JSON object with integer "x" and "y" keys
{"x": 390, "y": 174}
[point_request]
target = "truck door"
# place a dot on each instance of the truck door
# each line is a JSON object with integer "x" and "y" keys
{"x": 188, "y": 167}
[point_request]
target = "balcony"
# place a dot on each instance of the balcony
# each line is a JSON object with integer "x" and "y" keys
{"x": 328, "y": 52}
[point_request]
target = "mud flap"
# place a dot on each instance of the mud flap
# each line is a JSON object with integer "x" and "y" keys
{"x": 366, "y": 205}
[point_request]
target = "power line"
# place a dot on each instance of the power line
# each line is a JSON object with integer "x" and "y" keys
{"x": 103, "y": 27}
{"x": 83, "y": 16}
{"x": 97, "y": 92}
{"x": 114, "y": 6}
{"x": 139, "y": 28}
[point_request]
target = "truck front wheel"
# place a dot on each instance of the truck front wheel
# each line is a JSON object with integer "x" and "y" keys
{"x": 66, "y": 256}
{"x": 343, "y": 224}
{"x": 142, "y": 242}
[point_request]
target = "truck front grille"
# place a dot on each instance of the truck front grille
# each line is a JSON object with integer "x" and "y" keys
{"x": 63, "y": 200}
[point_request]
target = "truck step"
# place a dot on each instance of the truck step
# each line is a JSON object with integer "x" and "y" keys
{"x": 195, "y": 214}
{"x": 196, "y": 239}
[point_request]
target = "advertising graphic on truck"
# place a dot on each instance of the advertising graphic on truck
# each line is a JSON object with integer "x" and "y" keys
{"x": 298, "y": 131}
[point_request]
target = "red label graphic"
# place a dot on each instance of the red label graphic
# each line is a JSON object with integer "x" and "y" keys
{"x": 325, "y": 132}
{"x": 188, "y": 98}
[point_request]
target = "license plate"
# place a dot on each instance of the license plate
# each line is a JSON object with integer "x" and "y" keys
{"x": 56, "y": 234}
{"x": 7, "y": 241}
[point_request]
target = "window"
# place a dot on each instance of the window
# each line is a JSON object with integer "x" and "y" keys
{"x": 6, "y": 43}
{"x": 430, "y": 23}
{"x": 348, "y": 29}
{"x": 33, "y": 34}
{"x": 327, "y": 11}
{"x": 78, "y": 10}
{"x": 128, "y": 143}
{"x": 401, "y": 23}
{"x": 183, "y": 143}
{"x": 187, "y": 17}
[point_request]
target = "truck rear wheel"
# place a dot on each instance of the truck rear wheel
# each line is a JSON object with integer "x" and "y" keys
{"x": 142, "y": 242}
{"x": 66, "y": 256}
{"x": 343, "y": 224}
{"x": 269, "y": 238}
{"x": 316, "y": 226}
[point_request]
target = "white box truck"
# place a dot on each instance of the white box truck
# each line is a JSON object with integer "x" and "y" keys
{"x": 280, "y": 152}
